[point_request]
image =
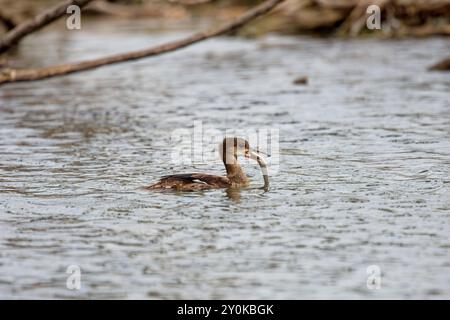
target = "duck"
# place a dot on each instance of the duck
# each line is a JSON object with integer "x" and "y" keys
{"x": 229, "y": 149}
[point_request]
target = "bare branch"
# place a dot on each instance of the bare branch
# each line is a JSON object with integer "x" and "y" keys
{"x": 38, "y": 74}
{"x": 41, "y": 20}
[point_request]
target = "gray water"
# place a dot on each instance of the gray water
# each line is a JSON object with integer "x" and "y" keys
{"x": 363, "y": 181}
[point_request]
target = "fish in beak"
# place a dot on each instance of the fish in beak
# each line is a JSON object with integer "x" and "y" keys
{"x": 262, "y": 164}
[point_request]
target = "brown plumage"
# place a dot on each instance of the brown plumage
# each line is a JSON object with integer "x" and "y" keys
{"x": 229, "y": 150}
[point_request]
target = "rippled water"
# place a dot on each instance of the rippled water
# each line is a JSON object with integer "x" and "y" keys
{"x": 364, "y": 170}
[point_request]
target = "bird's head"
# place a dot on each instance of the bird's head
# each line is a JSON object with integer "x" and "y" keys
{"x": 232, "y": 147}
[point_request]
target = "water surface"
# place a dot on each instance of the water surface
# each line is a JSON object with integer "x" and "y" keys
{"x": 364, "y": 176}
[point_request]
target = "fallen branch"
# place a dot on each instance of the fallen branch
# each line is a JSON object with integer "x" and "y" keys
{"x": 27, "y": 27}
{"x": 444, "y": 65}
{"x": 42, "y": 73}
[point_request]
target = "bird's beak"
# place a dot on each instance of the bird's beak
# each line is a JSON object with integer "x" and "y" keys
{"x": 262, "y": 164}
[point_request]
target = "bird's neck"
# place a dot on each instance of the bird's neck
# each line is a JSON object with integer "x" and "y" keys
{"x": 235, "y": 173}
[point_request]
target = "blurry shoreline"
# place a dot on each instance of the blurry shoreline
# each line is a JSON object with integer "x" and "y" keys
{"x": 343, "y": 18}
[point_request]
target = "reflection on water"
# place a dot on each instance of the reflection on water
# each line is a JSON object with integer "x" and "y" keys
{"x": 363, "y": 179}
{"x": 234, "y": 194}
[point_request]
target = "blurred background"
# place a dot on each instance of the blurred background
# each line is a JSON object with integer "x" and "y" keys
{"x": 363, "y": 181}
{"x": 417, "y": 18}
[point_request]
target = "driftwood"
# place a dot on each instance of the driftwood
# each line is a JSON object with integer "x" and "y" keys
{"x": 444, "y": 65}
{"x": 147, "y": 10}
{"x": 13, "y": 75}
{"x": 43, "y": 19}
{"x": 400, "y": 18}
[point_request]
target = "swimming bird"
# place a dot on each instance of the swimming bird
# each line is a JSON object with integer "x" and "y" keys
{"x": 229, "y": 149}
